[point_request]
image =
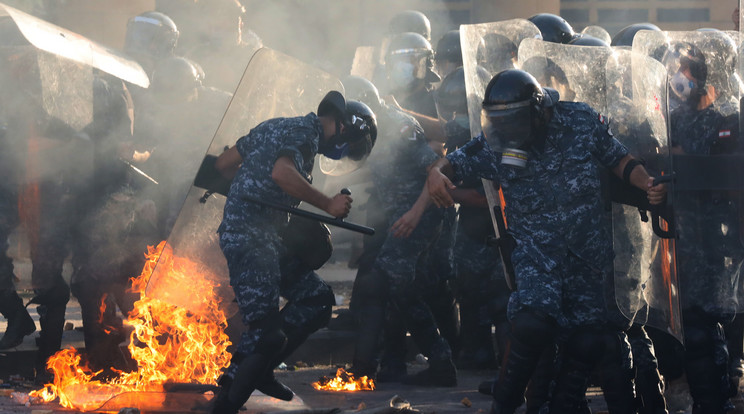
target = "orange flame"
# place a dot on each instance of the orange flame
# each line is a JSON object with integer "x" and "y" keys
{"x": 169, "y": 343}
{"x": 344, "y": 381}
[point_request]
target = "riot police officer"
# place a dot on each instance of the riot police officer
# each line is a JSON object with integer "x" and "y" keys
{"x": 448, "y": 56}
{"x": 543, "y": 153}
{"x": 274, "y": 161}
{"x": 704, "y": 122}
{"x": 409, "y": 66}
{"x": 150, "y": 36}
{"x": 410, "y": 21}
{"x": 480, "y": 284}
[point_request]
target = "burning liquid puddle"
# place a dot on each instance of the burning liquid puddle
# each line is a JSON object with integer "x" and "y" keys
{"x": 169, "y": 344}
{"x": 344, "y": 381}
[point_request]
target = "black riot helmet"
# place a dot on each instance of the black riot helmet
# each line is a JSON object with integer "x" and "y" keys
{"x": 449, "y": 53}
{"x": 176, "y": 80}
{"x": 553, "y": 28}
{"x": 587, "y": 40}
{"x": 409, "y": 62}
{"x": 359, "y": 127}
{"x": 411, "y": 21}
{"x": 361, "y": 89}
{"x": 626, "y": 35}
{"x": 356, "y": 133}
{"x": 151, "y": 36}
{"x": 512, "y": 110}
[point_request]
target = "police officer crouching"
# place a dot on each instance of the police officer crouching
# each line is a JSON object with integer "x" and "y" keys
{"x": 273, "y": 162}
{"x": 544, "y": 153}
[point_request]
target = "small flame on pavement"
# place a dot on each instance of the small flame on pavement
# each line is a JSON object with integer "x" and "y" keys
{"x": 344, "y": 381}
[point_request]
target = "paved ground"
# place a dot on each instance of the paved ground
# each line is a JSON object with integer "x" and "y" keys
{"x": 320, "y": 356}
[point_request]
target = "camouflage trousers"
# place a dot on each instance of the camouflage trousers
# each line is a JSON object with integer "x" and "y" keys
{"x": 397, "y": 262}
{"x": 573, "y": 293}
{"x": 258, "y": 280}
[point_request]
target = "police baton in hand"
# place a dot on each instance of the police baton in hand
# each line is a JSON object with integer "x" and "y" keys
{"x": 338, "y": 222}
{"x": 211, "y": 180}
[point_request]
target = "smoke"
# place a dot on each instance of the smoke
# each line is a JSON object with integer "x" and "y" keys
{"x": 83, "y": 147}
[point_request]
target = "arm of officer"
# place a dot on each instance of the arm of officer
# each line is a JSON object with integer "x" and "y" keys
{"x": 637, "y": 176}
{"x": 286, "y": 176}
{"x": 432, "y": 128}
{"x": 438, "y": 182}
{"x": 228, "y": 162}
{"x": 469, "y": 197}
{"x": 406, "y": 224}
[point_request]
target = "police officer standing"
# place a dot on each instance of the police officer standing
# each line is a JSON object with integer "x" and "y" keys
{"x": 704, "y": 123}
{"x": 274, "y": 162}
{"x": 544, "y": 153}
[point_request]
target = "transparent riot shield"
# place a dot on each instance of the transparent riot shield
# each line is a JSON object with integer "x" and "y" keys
{"x": 273, "y": 85}
{"x": 492, "y": 46}
{"x": 703, "y": 119}
{"x": 46, "y": 102}
{"x": 69, "y": 45}
{"x": 598, "y": 32}
{"x": 576, "y": 72}
{"x": 644, "y": 273}
{"x": 646, "y": 286}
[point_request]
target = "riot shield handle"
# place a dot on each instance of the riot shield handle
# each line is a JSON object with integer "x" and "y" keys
{"x": 663, "y": 211}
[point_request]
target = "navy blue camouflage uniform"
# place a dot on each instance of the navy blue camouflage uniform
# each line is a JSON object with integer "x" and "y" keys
{"x": 399, "y": 177}
{"x": 250, "y": 233}
{"x": 563, "y": 254}
{"x": 555, "y": 216}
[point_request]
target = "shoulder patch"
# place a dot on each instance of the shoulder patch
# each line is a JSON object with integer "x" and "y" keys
{"x": 724, "y": 133}
{"x": 601, "y": 119}
{"x": 408, "y": 132}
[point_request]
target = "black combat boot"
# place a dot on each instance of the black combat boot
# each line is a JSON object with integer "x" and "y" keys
{"x": 271, "y": 386}
{"x": 516, "y": 370}
{"x": 20, "y": 322}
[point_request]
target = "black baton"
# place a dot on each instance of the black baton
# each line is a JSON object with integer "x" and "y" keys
{"x": 314, "y": 216}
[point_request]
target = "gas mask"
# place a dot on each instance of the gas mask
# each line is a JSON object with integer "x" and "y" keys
{"x": 509, "y": 131}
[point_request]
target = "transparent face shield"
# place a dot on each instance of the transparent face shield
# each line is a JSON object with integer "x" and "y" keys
{"x": 405, "y": 67}
{"x": 348, "y": 150}
{"x": 507, "y": 127}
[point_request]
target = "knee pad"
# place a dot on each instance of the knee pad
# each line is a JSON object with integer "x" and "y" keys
{"x": 533, "y": 328}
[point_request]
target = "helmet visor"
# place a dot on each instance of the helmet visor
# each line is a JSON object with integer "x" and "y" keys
{"x": 509, "y": 128}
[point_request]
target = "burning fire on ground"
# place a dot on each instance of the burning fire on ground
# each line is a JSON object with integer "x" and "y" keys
{"x": 344, "y": 381}
{"x": 169, "y": 344}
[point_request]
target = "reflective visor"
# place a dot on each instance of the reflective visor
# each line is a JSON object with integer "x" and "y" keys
{"x": 507, "y": 128}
